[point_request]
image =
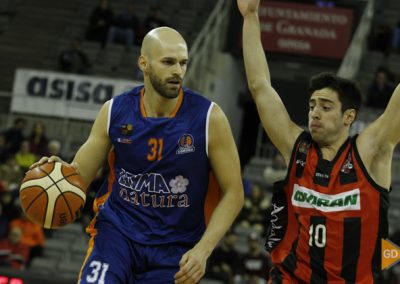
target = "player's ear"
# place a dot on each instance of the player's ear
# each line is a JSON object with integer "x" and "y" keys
{"x": 143, "y": 63}
{"x": 349, "y": 116}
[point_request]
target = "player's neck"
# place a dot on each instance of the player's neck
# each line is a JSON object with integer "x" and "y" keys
{"x": 330, "y": 150}
{"x": 157, "y": 106}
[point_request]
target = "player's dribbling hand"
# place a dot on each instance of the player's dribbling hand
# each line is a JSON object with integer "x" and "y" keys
{"x": 45, "y": 159}
{"x": 247, "y": 6}
{"x": 192, "y": 267}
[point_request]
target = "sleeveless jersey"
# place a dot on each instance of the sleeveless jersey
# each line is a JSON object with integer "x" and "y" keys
{"x": 327, "y": 218}
{"x": 159, "y": 170}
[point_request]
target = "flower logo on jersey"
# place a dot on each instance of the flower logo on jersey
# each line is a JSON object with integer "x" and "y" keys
{"x": 185, "y": 144}
{"x": 178, "y": 184}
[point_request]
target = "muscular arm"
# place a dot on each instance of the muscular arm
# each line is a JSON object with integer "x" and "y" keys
{"x": 226, "y": 167}
{"x": 377, "y": 142}
{"x": 274, "y": 116}
{"x": 225, "y": 164}
{"x": 93, "y": 153}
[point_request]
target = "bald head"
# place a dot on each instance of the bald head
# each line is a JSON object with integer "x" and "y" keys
{"x": 163, "y": 61}
{"x": 161, "y": 38}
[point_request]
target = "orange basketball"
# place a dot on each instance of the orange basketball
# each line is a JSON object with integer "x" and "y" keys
{"x": 52, "y": 195}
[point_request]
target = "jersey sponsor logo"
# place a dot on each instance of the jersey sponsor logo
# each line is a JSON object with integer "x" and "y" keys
{"x": 151, "y": 189}
{"x": 303, "y": 147}
{"x": 185, "y": 144}
{"x": 308, "y": 198}
{"x": 126, "y": 129}
{"x": 321, "y": 175}
{"x": 124, "y": 140}
{"x": 347, "y": 166}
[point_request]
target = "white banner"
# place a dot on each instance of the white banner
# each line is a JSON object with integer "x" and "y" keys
{"x": 63, "y": 95}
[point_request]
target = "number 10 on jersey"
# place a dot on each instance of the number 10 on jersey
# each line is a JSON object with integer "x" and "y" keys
{"x": 317, "y": 235}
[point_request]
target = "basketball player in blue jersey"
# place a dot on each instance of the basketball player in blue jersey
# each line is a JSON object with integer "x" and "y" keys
{"x": 330, "y": 213}
{"x": 162, "y": 142}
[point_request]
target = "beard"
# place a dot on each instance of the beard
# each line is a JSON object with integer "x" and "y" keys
{"x": 162, "y": 88}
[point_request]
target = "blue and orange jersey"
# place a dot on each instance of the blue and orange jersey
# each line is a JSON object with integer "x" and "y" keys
{"x": 159, "y": 170}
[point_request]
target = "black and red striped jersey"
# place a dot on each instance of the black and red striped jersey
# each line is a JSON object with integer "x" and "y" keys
{"x": 328, "y": 218}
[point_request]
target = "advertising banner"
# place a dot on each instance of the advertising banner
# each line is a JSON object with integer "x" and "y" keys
{"x": 305, "y": 29}
{"x": 63, "y": 95}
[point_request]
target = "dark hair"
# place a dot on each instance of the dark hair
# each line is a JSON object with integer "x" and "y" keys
{"x": 348, "y": 92}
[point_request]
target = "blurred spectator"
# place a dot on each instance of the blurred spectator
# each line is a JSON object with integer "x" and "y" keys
{"x": 381, "y": 90}
{"x": 38, "y": 140}
{"x": 8, "y": 211}
{"x": 3, "y": 148}
{"x": 396, "y": 38}
{"x": 13, "y": 253}
{"x": 381, "y": 39}
{"x": 125, "y": 28}
{"x": 253, "y": 213}
{"x": 255, "y": 263}
{"x": 24, "y": 157}
{"x": 100, "y": 21}
{"x": 32, "y": 235}
{"x": 246, "y": 186}
{"x": 277, "y": 171}
{"x": 224, "y": 262}
{"x": 154, "y": 20}
{"x": 15, "y": 135}
{"x": 74, "y": 59}
{"x": 54, "y": 148}
{"x": 10, "y": 172}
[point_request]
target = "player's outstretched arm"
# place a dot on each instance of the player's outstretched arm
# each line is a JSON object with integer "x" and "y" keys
{"x": 225, "y": 164}
{"x": 274, "y": 116}
{"x": 92, "y": 155}
{"x": 376, "y": 143}
{"x": 389, "y": 122}
{"x": 385, "y": 131}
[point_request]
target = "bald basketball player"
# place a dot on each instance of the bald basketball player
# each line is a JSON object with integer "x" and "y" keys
{"x": 162, "y": 142}
{"x": 330, "y": 213}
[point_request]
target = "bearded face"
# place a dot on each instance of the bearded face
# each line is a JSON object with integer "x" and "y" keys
{"x": 167, "y": 88}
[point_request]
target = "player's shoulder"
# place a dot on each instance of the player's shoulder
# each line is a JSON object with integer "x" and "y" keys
{"x": 195, "y": 96}
{"x": 131, "y": 93}
{"x": 127, "y": 97}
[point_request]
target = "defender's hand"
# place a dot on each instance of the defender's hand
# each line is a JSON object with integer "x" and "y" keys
{"x": 247, "y": 7}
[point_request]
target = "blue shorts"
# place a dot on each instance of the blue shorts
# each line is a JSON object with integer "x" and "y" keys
{"x": 115, "y": 259}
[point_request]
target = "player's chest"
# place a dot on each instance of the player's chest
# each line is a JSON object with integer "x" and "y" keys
{"x": 157, "y": 142}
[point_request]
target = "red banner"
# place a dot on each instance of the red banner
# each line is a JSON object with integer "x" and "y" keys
{"x": 305, "y": 29}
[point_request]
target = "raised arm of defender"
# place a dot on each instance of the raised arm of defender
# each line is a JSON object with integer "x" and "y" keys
{"x": 388, "y": 125}
{"x": 377, "y": 142}
{"x": 274, "y": 116}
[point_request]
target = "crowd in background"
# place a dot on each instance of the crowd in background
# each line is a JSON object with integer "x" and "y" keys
{"x": 20, "y": 239}
{"x": 107, "y": 27}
